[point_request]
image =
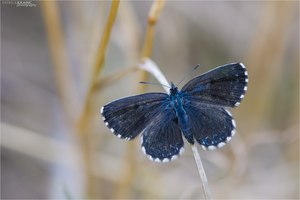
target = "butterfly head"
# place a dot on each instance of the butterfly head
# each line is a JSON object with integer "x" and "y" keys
{"x": 173, "y": 89}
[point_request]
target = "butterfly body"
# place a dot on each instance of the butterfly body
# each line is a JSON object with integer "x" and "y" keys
{"x": 197, "y": 111}
{"x": 177, "y": 100}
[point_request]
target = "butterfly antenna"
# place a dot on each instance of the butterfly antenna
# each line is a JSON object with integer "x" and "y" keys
{"x": 189, "y": 74}
{"x": 149, "y": 83}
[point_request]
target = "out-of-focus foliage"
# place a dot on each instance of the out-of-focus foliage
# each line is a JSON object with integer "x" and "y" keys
{"x": 41, "y": 150}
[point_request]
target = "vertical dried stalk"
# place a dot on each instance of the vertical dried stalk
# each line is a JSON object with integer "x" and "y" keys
{"x": 204, "y": 182}
{"x": 153, "y": 17}
{"x": 86, "y": 114}
{"x": 62, "y": 71}
{"x": 98, "y": 65}
{"x": 267, "y": 50}
{"x": 130, "y": 35}
{"x": 61, "y": 66}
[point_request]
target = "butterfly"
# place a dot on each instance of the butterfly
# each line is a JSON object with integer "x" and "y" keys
{"x": 198, "y": 112}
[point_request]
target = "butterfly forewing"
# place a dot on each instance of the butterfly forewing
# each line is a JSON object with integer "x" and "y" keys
{"x": 128, "y": 117}
{"x": 223, "y": 86}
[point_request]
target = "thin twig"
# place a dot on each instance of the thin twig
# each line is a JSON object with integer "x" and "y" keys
{"x": 86, "y": 114}
{"x": 204, "y": 182}
{"x": 62, "y": 70}
{"x": 111, "y": 78}
{"x": 277, "y": 17}
{"x": 98, "y": 65}
{"x": 153, "y": 17}
{"x": 61, "y": 67}
{"x": 58, "y": 153}
{"x": 105, "y": 39}
{"x": 149, "y": 66}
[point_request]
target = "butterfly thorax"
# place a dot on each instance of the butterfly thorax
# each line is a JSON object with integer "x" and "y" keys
{"x": 173, "y": 89}
{"x": 181, "y": 115}
{"x": 176, "y": 99}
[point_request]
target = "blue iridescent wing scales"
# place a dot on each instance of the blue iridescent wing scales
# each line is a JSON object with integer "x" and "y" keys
{"x": 162, "y": 139}
{"x": 151, "y": 115}
{"x": 211, "y": 126}
{"x": 223, "y": 86}
{"x": 129, "y": 116}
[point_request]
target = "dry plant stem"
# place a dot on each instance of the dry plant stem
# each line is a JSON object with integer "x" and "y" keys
{"x": 153, "y": 17}
{"x": 62, "y": 71}
{"x": 98, "y": 65}
{"x": 204, "y": 182}
{"x": 49, "y": 150}
{"x": 149, "y": 66}
{"x": 86, "y": 114}
{"x": 105, "y": 38}
{"x": 130, "y": 29}
{"x": 56, "y": 42}
{"x": 153, "y": 69}
{"x": 276, "y": 17}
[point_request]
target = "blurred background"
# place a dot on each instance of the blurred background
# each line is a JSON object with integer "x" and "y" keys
{"x": 54, "y": 143}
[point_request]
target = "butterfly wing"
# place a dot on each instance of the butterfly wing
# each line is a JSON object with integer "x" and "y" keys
{"x": 224, "y": 86}
{"x": 162, "y": 139}
{"x": 211, "y": 126}
{"x": 128, "y": 117}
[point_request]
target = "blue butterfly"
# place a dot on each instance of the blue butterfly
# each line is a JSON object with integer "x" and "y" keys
{"x": 197, "y": 111}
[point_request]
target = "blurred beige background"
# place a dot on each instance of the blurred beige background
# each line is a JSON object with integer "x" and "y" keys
{"x": 41, "y": 151}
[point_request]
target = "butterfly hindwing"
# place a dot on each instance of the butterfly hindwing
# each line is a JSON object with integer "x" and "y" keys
{"x": 224, "y": 86}
{"x": 129, "y": 116}
{"x": 162, "y": 139}
{"x": 211, "y": 126}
